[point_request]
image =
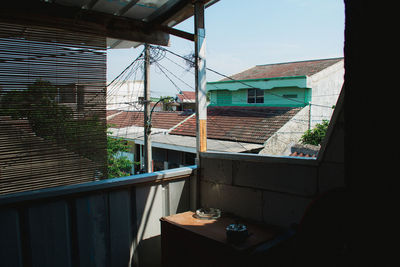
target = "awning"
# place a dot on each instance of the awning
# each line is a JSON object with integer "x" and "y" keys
{"x": 265, "y": 84}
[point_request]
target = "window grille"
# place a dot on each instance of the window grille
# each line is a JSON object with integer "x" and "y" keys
{"x": 255, "y": 96}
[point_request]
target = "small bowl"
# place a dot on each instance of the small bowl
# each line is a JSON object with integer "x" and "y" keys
{"x": 208, "y": 213}
{"x": 236, "y": 233}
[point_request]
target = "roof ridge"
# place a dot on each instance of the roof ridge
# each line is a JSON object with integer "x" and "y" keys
{"x": 299, "y": 61}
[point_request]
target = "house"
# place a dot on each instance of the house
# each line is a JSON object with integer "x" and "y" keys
{"x": 229, "y": 129}
{"x": 173, "y": 137}
{"x": 187, "y": 100}
{"x": 292, "y": 84}
{"x": 313, "y": 86}
{"x": 125, "y": 95}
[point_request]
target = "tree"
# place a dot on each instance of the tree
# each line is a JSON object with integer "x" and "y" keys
{"x": 53, "y": 121}
{"x": 118, "y": 165}
{"x": 165, "y": 101}
{"x": 316, "y": 135}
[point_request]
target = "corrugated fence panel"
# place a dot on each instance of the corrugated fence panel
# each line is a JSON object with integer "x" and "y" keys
{"x": 102, "y": 223}
{"x": 49, "y": 231}
{"x": 10, "y": 238}
{"x": 92, "y": 230}
{"x": 120, "y": 208}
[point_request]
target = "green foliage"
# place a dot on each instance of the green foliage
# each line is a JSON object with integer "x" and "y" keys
{"x": 118, "y": 166}
{"x": 316, "y": 135}
{"x": 52, "y": 121}
{"x": 165, "y": 101}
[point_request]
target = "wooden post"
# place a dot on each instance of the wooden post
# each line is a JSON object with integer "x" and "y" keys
{"x": 200, "y": 78}
{"x": 201, "y": 100}
{"x": 148, "y": 166}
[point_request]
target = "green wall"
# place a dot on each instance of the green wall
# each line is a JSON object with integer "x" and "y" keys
{"x": 273, "y": 97}
{"x": 278, "y": 92}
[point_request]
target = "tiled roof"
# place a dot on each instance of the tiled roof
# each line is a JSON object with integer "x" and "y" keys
{"x": 240, "y": 124}
{"x": 111, "y": 112}
{"x": 304, "y": 150}
{"x": 302, "y": 155}
{"x": 300, "y": 68}
{"x": 160, "y": 119}
{"x": 187, "y": 96}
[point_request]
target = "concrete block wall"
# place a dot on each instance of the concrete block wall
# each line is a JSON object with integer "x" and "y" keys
{"x": 269, "y": 189}
{"x": 326, "y": 87}
{"x": 331, "y": 156}
{"x": 264, "y": 189}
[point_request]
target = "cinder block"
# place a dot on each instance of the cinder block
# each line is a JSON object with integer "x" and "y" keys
{"x": 283, "y": 209}
{"x": 216, "y": 170}
{"x": 286, "y": 178}
{"x": 243, "y": 202}
{"x": 330, "y": 176}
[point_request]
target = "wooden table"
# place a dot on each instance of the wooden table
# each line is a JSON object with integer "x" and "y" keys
{"x": 188, "y": 241}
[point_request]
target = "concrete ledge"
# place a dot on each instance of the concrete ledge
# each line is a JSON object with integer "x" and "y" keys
{"x": 259, "y": 158}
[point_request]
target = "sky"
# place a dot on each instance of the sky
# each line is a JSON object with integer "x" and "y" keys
{"x": 241, "y": 34}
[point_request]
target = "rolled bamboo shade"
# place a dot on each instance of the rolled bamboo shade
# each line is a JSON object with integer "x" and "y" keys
{"x": 52, "y": 108}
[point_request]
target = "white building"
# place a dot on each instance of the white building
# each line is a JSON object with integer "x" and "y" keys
{"x": 125, "y": 95}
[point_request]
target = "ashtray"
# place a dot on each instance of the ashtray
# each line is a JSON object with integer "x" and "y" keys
{"x": 208, "y": 213}
{"x": 236, "y": 233}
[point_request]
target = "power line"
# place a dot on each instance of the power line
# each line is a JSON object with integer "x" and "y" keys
{"x": 248, "y": 85}
{"x": 159, "y": 65}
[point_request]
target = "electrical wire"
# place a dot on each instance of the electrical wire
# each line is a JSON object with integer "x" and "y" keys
{"x": 239, "y": 81}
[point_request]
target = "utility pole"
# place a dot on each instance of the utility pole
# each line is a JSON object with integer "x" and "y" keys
{"x": 148, "y": 163}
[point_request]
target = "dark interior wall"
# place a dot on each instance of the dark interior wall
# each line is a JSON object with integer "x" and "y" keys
{"x": 370, "y": 116}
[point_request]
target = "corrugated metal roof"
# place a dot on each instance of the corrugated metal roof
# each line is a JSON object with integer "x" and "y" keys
{"x": 125, "y": 23}
{"x": 159, "y": 11}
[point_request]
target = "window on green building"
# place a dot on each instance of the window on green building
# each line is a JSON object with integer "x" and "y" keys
{"x": 255, "y": 96}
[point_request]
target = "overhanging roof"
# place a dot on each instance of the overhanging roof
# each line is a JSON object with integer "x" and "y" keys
{"x": 161, "y": 139}
{"x": 125, "y": 23}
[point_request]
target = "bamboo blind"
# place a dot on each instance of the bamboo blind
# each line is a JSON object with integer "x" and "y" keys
{"x": 52, "y": 108}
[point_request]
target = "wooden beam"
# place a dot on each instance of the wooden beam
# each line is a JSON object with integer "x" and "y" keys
{"x": 81, "y": 20}
{"x": 176, "y": 32}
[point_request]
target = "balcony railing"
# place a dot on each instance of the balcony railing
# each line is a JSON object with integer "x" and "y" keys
{"x": 111, "y": 222}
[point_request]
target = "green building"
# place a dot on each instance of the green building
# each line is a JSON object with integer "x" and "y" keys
{"x": 275, "y": 85}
